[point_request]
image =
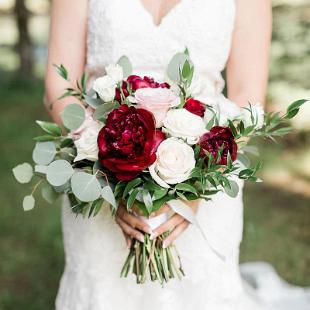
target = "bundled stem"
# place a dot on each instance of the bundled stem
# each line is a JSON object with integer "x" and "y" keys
{"x": 162, "y": 264}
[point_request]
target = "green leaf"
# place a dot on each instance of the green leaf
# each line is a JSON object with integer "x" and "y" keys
{"x": 107, "y": 195}
{"x": 93, "y": 102}
{"x": 28, "y": 203}
{"x": 66, "y": 142}
{"x": 23, "y": 173}
{"x": 233, "y": 128}
{"x": 103, "y": 109}
{"x": 186, "y": 70}
{"x": 51, "y": 128}
{"x": 40, "y": 169}
{"x": 147, "y": 200}
{"x": 44, "y": 153}
{"x": 132, "y": 197}
{"x": 73, "y": 116}
{"x": 49, "y": 194}
{"x": 232, "y": 190}
{"x": 95, "y": 207}
{"x": 125, "y": 63}
{"x": 59, "y": 172}
{"x": 160, "y": 193}
{"x": 175, "y": 65}
{"x": 45, "y": 138}
{"x": 130, "y": 185}
{"x": 85, "y": 186}
{"x": 186, "y": 188}
{"x": 296, "y": 105}
{"x": 62, "y": 71}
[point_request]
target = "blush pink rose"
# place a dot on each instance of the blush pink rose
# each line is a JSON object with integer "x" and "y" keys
{"x": 157, "y": 101}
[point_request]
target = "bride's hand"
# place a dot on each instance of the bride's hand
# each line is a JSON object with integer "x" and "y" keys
{"x": 176, "y": 224}
{"x": 131, "y": 225}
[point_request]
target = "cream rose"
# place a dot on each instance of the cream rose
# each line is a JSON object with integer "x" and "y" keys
{"x": 257, "y": 114}
{"x": 86, "y": 145}
{"x": 174, "y": 164}
{"x": 181, "y": 123}
{"x": 157, "y": 101}
{"x": 105, "y": 87}
{"x": 115, "y": 72}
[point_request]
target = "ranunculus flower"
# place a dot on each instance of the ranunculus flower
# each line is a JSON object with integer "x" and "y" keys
{"x": 128, "y": 142}
{"x": 105, "y": 87}
{"x": 174, "y": 164}
{"x": 137, "y": 82}
{"x": 115, "y": 72}
{"x": 156, "y": 100}
{"x": 86, "y": 144}
{"x": 257, "y": 114}
{"x": 182, "y": 124}
{"x": 195, "y": 107}
{"x": 215, "y": 139}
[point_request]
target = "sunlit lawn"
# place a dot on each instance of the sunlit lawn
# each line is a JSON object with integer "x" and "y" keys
{"x": 276, "y": 221}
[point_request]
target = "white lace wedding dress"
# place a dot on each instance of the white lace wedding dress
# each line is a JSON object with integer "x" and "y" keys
{"x": 95, "y": 248}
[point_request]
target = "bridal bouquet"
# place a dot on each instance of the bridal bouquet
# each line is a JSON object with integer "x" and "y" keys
{"x": 143, "y": 144}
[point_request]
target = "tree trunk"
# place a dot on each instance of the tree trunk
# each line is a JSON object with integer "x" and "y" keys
{"x": 24, "y": 44}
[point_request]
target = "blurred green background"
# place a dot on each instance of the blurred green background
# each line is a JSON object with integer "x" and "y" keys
{"x": 277, "y": 212}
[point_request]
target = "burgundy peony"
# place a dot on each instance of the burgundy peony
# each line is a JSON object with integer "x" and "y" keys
{"x": 195, "y": 107}
{"x": 137, "y": 82}
{"x": 128, "y": 142}
{"x": 217, "y": 137}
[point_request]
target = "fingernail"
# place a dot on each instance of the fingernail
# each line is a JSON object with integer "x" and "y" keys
{"x": 148, "y": 230}
{"x": 165, "y": 245}
{"x": 141, "y": 239}
{"x": 153, "y": 236}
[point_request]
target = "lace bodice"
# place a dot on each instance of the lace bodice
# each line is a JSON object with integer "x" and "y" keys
{"x": 121, "y": 27}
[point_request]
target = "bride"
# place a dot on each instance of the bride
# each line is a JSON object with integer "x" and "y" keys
{"x": 90, "y": 34}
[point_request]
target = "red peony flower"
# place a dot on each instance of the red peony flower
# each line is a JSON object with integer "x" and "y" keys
{"x": 128, "y": 142}
{"x": 217, "y": 137}
{"x": 137, "y": 82}
{"x": 195, "y": 107}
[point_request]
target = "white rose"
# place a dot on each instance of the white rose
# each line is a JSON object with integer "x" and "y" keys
{"x": 174, "y": 164}
{"x": 115, "y": 72}
{"x": 157, "y": 101}
{"x": 181, "y": 123}
{"x": 105, "y": 87}
{"x": 86, "y": 145}
{"x": 257, "y": 114}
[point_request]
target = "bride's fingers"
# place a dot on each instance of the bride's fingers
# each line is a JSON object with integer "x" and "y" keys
{"x": 169, "y": 225}
{"x": 129, "y": 230}
{"x": 175, "y": 233}
{"x": 135, "y": 222}
{"x": 165, "y": 208}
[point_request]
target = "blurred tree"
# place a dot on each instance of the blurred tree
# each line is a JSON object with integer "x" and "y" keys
{"x": 24, "y": 44}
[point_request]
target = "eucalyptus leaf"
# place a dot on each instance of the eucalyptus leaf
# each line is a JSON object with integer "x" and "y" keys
{"x": 93, "y": 102}
{"x": 28, "y": 203}
{"x": 73, "y": 116}
{"x": 125, "y": 63}
{"x": 107, "y": 195}
{"x": 85, "y": 186}
{"x": 23, "y": 173}
{"x": 233, "y": 190}
{"x": 59, "y": 172}
{"x": 175, "y": 65}
{"x": 44, "y": 153}
{"x": 103, "y": 109}
{"x": 40, "y": 169}
{"x": 49, "y": 194}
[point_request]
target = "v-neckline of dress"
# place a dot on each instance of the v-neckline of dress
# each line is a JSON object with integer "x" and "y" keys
{"x": 151, "y": 17}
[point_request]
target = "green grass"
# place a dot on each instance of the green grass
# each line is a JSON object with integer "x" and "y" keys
{"x": 31, "y": 256}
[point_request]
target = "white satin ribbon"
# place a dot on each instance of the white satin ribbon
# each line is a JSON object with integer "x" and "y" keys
{"x": 185, "y": 211}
